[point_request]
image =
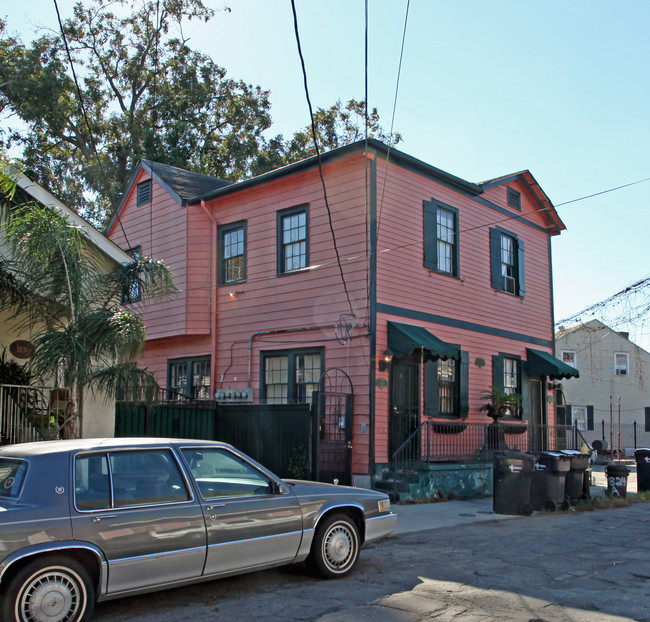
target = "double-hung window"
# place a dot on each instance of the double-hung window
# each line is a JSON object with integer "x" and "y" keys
{"x": 621, "y": 364}
{"x": 293, "y": 240}
{"x": 232, "y": 243}
{"x": 506, "y": 377}
{"x": 441, "y": 238}
{"x": 446, "y": 386}
{"x": 291, "y": 377}
{"x": 189, "y": 378}
{"x": 569, "y": 357}
{"x": 507, "y": 262}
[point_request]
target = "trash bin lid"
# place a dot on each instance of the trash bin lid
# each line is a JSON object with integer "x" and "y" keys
{"x": 504, "y": 459}
{"x": 552, "y": 461}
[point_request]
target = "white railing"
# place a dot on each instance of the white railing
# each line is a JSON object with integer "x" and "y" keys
{"x": 29, "y": 413}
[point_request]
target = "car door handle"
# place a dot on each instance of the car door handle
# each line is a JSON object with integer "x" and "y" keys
{"x": 209, "y": 508}
{"x": 97, "y": 519}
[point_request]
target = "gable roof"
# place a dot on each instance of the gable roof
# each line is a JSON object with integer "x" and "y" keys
{"x": 189, "y": 188}
{"x": 98, "y": 239}
{"x": 526, "y": 177}
{"x": 184, "y": 184}
{"x": 179, "y": 183}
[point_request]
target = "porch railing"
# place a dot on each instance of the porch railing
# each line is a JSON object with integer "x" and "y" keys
{"x": 28, "y": 413}
{"x": 436, "y": 442}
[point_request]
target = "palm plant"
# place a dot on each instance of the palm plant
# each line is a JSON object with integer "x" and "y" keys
{"x": 499, "y": 403}
{"x": 56, "y": 287}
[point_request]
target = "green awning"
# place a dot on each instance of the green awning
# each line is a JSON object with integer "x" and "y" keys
{"x": 405, "y": 339}
{"x": 544, "y": 364}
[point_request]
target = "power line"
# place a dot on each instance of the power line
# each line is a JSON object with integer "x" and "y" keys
{"x": 85, "y": 116}
{"x": 596, "y": 194}
{"x": 318, "y": 154}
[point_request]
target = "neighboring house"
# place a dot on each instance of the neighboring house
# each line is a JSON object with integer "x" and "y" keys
{"x": 614, "y": 384}
{"x": 14, "y": 341}
{"x": 423, "y": 289}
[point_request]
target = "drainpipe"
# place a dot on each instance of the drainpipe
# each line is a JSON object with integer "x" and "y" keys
{"x": 213, "y": 285}
{"x": 278, "y": 331}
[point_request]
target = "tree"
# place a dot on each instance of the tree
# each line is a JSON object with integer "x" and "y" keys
{"x": 335, "y": 126}
{"x": 53, "y": 284}
{"x": 143, "y": 93}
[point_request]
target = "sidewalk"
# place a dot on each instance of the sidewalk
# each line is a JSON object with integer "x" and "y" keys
{"x": 424, "y": 516}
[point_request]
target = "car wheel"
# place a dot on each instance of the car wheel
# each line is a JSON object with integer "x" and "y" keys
{"x": 335, "y": 550}
{"x": 50, "y": 589}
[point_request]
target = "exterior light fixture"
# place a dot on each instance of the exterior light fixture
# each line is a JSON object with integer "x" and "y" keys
{"x": 384, "y": 362}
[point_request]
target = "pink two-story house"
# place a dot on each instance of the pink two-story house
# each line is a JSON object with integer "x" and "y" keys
{"x": 409, "y": 288}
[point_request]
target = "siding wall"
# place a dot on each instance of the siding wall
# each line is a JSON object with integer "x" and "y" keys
{"x": 314, "y": 298}
{"x": 595, "y": 345}
{"x": 313, "y": 301}
{"x": 417, "y": 294}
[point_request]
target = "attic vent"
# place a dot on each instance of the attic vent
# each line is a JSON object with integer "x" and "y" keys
{"x": 514, "y": 198}
{"x": 144, "y": 192}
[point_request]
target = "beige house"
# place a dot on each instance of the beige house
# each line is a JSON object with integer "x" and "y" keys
{"x": 612, "y": 395}
{"x": 100, "y": 411}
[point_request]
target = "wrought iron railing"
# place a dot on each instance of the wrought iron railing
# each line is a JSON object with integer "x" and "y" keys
{"x": 437, "y": 442}
{"x": 29, "y": 413}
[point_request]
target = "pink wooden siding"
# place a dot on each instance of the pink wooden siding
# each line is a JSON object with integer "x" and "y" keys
{"x": 277, "y": 313}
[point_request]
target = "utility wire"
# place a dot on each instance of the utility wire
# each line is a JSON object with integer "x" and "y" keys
{"x": 85, "y": 116}
{"x": 318, "y": 154}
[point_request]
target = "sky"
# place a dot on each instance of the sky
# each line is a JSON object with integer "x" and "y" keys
{"x": 558, "y": 87}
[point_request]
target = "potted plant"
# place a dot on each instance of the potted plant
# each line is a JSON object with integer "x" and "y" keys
{"x": 499, "y": 404}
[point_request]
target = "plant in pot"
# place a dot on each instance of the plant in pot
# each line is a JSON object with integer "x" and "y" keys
{"x": 498, "y": 404}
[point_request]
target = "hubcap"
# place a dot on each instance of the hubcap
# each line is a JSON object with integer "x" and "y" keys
{"x": 49, "y": 597}
{"x": 339, "y": 547}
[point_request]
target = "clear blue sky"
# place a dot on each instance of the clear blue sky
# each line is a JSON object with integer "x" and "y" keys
{"x": 559, "y": 87}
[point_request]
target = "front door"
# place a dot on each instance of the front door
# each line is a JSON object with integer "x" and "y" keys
{"x": 404, "y": 416}
{"x": 249, "y": 523}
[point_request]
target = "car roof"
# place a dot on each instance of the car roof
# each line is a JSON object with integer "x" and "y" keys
{"x": 90, "y": 444}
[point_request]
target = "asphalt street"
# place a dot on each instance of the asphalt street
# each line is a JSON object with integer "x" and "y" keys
{"x": 567, "y": 566}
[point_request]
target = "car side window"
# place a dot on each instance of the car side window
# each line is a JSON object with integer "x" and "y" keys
{"x": 220, "y": 473}
{"x": 12, "y": 476}
{"x": 146, "y": 477}
{"x": 92, "y": 485}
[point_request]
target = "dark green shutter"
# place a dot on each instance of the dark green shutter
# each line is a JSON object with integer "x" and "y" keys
{"x": 431, "y": 388}
{"x": 647, "y": 418}
{"x": 569, "y": 414}
{"x": 590, "y": 417}
{"x": 497, "y": 371}
{"x": 464, "y": 383}
{"x": 495, "y": 259}
{"x": 430, "y": 236}
{"x": 521, "y": 276}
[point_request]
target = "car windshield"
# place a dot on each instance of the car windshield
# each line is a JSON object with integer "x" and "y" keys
{"x": 12, "y": 476}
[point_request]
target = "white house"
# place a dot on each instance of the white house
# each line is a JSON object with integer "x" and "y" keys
{"x": 612, "y": 395}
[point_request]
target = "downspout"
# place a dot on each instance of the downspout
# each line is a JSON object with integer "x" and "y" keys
{"x": 372, "y": 303}
{"x": 213, "y": 285}
{"x": 278, "y": 331}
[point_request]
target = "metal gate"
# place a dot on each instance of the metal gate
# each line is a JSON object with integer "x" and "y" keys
{"x": 334, "y": 415}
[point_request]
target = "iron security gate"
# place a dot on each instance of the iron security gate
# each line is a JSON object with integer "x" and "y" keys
{"x": 334, "y": 416}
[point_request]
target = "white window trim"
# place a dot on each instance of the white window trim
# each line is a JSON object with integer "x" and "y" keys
{"x": 617, "y": 369}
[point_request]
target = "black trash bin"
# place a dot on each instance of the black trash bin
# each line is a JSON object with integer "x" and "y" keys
{"x": 642, "y": 457}
{"x": 548, "y": 482}
{"x": 616, "y": 480}
{"x": 575, "y": 477}
{"x": 512, "y": 473}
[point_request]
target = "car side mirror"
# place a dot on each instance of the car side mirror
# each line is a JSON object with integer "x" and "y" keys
{"x": 279, "y": 488}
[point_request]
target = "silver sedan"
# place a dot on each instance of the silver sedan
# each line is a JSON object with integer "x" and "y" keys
{"x": 88, "y": 520}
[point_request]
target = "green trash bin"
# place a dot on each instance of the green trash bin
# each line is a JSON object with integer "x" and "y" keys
{"x": 642, "y": 456}
{"x": 512, "y": 472}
